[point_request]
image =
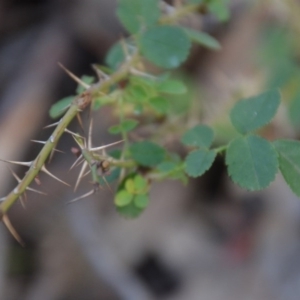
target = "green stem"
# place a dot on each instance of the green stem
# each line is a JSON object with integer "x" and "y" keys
{"x": 116, "y": 162}
{"x": 124, "y": 163}
{"x": 80, "y": 103}
{"x": 221, "y": 149}
{"x": 38, "y": 163}
{"x": 161, "y": 176}
{"x": 88, "y": 156}
{"x": 123, "y": 132}
{"x": 93, "y": 158}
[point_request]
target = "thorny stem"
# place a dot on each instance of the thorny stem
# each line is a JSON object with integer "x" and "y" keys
{"x": 121, "y": 163}
{"x": 93, "y": 158}
{"x": 38, "y": 163}
{"x": 91, "y": 161}
{"x": 78, "y": 104}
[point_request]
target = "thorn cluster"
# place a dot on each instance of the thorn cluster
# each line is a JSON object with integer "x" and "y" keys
{"x": 88, "y": 159}
{"x": 87, "y": 154}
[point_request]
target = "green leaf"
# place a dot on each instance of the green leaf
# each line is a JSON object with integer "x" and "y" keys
{"x": 199, "y": 136}
{"x": 126, "y": 126}
{"x": 276, "y": 52}
{"x": 173, "y": 170}
{"x": 86, "y": 79}
{"x": 135, "y": 92}
{"x": 59, "y": 108}
{"x": 147, "y": 153}
{"x": 166, "y": 46}
{"x": 141, "y": 201}
{"x": 198, "y": 162}
{"x": 252, "y": 113}
{"x": 172, "y": 86}
{"x": 195, "y": 1}
{"x": 104, "y": 100}
{"x": 160, "y": 104}
{"x": 140, "y": 184}
{"x": 148, "y": 85}
{"x": 252, "y": 162}
{"x": 97, "y": 104}
{"x": 138, "y": 109}
{"x": 130, "y": 211}
{"x": 220, "y": 8}
{"x": 102, "y": 69}
{"x": 137, "y": 14}
{"x": 135, "y": 184}
{"x": 289, "y": 162}
{"x": 115, "y": 129}
{"x": 111, "y": 177}
{"x": 129, "y": 124}
{"x": 123, "y": 198}
{"x": 129, "y": 186}
{"x": 167, "y": 166}
{"x": 115, "y": 153}
{"x": 116, "y": 54}
{"x": 203, "y": 39}
{"x": 294, "y": 111}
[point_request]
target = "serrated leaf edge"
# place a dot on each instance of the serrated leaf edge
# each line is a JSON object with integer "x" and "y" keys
{"x": 245, "y": 187}
{"x": 247, "y": 132}
{"x": 278, "y": 155}
{"x": 205, "y": 170}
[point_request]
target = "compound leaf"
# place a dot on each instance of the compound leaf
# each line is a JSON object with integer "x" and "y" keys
{"x": 252, "y": 113}
{"x": 252, "y": 162}
{"x": 289, "y": 162}
{"x": 166, "y": 46}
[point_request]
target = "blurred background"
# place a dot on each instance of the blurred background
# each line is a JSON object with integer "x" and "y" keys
{"x": 208, "y": 240}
